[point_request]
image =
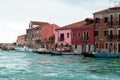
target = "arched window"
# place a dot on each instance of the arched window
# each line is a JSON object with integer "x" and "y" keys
{"x": 119, "y": 19}
{"x": 111, "y": 19}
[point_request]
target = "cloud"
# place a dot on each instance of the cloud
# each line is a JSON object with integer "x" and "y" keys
{"x": 16, "y": 14}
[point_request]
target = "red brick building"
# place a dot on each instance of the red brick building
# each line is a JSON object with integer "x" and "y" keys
{"x": 107, "y": 30}
{"x": 40, "y": 34}
{"x": 33, "y": 33}
{"x": 21, "y": 40}
{"x": 48, "y": 35}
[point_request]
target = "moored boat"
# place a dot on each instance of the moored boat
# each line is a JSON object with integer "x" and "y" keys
{"x": 42, "y": 51}
{"x": 86, "y": 54}
{"x": 63, "y": 53}
{"x": 22, "y": 49}
{"x": 102, "y": 55}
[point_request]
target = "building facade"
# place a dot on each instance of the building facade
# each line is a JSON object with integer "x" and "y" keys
{"x": 79, "y": 36}
{"x": 48, "y": 35}
{"x": 40, "y": 35}
{"x": 107, "y": 30}
{"x": 21, "y": 40}
{"x": 33, "y": 34}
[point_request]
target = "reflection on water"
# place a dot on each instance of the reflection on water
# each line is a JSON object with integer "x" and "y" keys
{"x": 31, "y": 66}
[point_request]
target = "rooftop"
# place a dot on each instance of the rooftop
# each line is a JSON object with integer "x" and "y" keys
{"x": 77, "y": 24}
{"x": 38, "y": 23}
{"x": 107, "y": 10}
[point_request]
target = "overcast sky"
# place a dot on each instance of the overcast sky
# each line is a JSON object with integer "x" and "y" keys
{"x": 15, "y": 15}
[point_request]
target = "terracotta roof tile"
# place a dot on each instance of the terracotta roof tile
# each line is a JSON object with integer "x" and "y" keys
{"x": 88, "y": 26}
{"x": 76, "y": 25}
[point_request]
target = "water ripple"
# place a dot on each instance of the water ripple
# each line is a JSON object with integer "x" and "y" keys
{"x": 30, "y": 66}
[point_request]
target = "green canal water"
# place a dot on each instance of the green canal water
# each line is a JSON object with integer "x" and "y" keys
{"x": 31, "y": 66}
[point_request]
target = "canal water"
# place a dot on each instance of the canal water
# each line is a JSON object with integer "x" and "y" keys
{"x": 32, "y": 66}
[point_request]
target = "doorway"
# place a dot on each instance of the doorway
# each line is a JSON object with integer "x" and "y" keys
{"x": 83, "y": 48}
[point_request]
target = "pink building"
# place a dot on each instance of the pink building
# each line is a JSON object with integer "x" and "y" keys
{"x": 79, "y": 35}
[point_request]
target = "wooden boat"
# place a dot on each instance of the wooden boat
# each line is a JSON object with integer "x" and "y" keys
{"x": 87, "y": 54}
{"x": 63, "y": 53}
{"x": 42, "y": 51}
{"x": 64, "y": 49}
{"x": 23, "y": 49}
{"x": 102, "y": 55}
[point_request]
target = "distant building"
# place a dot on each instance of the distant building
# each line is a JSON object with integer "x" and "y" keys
{"x": 40, "y": 34}
{"x": 79, "y": 35}
{"x": 107, "y": 30}
{"x": 21, "y": 40}
{"x": 33, "y": 34}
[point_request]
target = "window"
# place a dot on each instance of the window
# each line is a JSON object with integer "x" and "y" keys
{"x": 119, "y": 19}
{"x": 118, "y": 32}
{"x": 73, "y": 35}
{"x": 61, "y": 37}
{"x": 67, "y": 35}
{"x": 96, "y": 33}
{"x": 105, "y": 19}
{"x": 111, "y": 32}
{"x": 105, "y": 33}
{"x": 85, "y": 37}
{"x": 97, "y": 20}
{"x": 111, "y": 19}
{"x": 78, "y": 34}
